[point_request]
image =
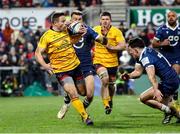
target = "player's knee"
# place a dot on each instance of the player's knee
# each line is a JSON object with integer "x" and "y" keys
{"x": 141, "y": 98}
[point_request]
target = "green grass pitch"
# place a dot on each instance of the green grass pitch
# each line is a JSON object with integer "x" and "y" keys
{"x": 38, "y": 115}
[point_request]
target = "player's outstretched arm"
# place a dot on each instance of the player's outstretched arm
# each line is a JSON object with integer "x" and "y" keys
{"x": 138, "y": 70}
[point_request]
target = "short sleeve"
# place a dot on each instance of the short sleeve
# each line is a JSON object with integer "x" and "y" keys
{"x": 43, "y": 42}
{"x": 119, "y": 37}
{"x": 147, "y": 61}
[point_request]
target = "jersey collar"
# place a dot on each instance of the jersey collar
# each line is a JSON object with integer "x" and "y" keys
{"x": 168, "y": 26}
{"x": 140, "y": 57}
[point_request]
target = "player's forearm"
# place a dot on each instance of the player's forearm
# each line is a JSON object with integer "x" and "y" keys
{"x": 134, "y": 75}
{"x": 154, "y": 82}
{"x": 39, "y": 58}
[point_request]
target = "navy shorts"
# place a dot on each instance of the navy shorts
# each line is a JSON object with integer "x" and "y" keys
{"x": 87, "y": 70}
{"x": 169, "y": 87}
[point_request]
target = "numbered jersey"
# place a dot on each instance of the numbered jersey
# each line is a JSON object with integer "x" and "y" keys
{"x": 83, "y": 47}
{"x": 163, "y": 69}
{"x": 171, "y": 52}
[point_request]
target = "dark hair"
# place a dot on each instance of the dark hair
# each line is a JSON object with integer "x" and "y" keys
{"x": 136, "y": 42}
{"x": 106, "y": 14}
{"x": 55, "y": 16}
{"x": 76, "y": 12}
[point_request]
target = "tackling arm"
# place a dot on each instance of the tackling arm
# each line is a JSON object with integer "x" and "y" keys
{"x": 137, "y": 72}
{"x": 133, "y": 75}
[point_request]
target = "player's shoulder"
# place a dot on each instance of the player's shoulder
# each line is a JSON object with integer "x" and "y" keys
{"x": 162, "y": 27}
{"x": 115, "y": 29}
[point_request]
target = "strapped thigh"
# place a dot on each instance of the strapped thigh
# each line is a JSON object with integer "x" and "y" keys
{"x": 103, "y": 74}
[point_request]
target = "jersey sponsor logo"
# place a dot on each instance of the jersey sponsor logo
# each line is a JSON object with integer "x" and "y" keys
{"x": 80, "y": 44}
{"x": 173, "y": 40}
{"x": 145, "y": 61}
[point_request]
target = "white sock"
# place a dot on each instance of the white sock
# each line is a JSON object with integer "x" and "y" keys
{"x": 165, "y": 108}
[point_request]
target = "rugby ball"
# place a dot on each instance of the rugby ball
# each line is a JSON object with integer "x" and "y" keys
{"x": 74, "y": 27}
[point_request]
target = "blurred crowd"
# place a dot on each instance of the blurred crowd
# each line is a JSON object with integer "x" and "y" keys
{"x": 153, "y": 2}
{"x": 5, "y": 4}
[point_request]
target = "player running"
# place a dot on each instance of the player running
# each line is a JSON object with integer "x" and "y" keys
{"x": 83, "y": 51}
{"x": 57, "y": 44}
{"x": 106, "y": 58}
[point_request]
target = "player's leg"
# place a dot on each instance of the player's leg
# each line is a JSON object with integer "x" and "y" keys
{"x": 81, "y": 87}
{"x": 147, "y": 98}
{"x": 89, "y": 82}
{"x": 69, "y": 86}
{"x": 63, "y": 110}
{"x": 112, "y": 79}
{"x": 103, "y": 74}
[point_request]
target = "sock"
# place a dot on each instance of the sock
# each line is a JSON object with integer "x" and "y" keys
{"x": 78, "y": 105}
{"x": 165, "y": 108}
{"x": 86, "y": 103}
{"x": 66, "y": 99}
{"x": 106, "y": 102}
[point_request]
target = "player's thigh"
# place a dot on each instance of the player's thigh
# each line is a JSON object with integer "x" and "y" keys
{"x": 146, "y": 95}
{"x": 103, "y": 74}
{"x": 69, "y": 86}
{"x": 81, "y": 88}
{"x": 89, "y": 81}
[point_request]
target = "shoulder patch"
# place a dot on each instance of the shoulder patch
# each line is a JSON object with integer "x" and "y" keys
{"x": 145, "y": 61}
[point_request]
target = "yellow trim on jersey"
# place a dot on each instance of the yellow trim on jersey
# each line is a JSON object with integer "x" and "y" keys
{"x": 60, "y": 51}
{"x": 104, "y": 56}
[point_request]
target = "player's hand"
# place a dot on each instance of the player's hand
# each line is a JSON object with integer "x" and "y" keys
{"x": 48, "y": 68}
{"x": 166, "y": 42}
{"x": 157, "y": 95}
{"x": 125, "y": 76}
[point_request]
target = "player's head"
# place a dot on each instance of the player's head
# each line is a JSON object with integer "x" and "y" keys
{"x": 134, "y": 47}
{"x": 172, "y": 18}
{"x": 58, "y": 20}
{"x": 105, "y": 19}
{"x": 77, "y": 16}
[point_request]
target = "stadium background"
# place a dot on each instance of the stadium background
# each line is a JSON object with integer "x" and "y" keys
{"x": 20, "y": 73}
{"x": 28, "y": 19}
